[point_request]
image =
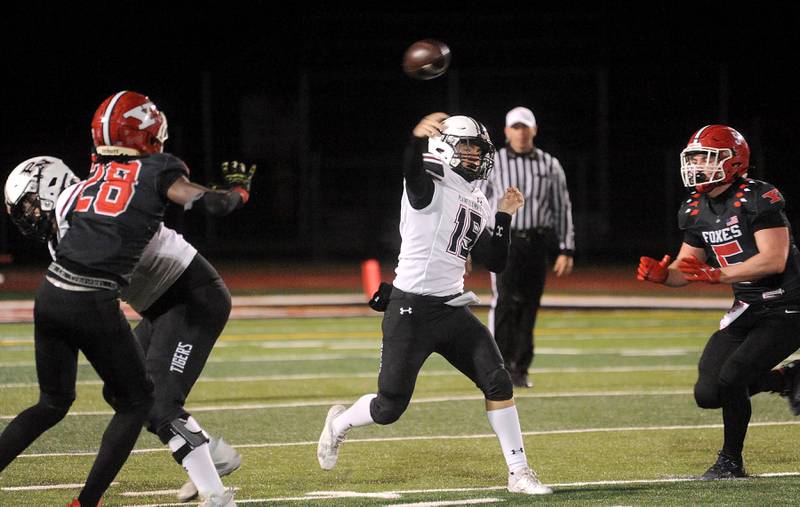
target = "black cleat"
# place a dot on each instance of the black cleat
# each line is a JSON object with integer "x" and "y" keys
{"x": 791, "y": 375}
{"x": 725, "y": 468}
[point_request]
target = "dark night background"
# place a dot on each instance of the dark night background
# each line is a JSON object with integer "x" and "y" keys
{"x": 318, "y": 100}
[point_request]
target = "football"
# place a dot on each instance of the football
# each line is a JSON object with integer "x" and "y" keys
{"x": 426, "y": 59}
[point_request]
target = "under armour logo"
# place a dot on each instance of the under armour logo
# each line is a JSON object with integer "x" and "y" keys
{"x": 403, "y": 311}
{"x": 517, "y": 451}
{"x": 498, "y": 231}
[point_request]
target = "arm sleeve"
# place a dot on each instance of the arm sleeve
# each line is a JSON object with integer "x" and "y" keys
{"x": 491, "y": 249}
{"x": 217, "y": 203}
{"x": 562, "y": 211}
{"x": 419, "y": 185}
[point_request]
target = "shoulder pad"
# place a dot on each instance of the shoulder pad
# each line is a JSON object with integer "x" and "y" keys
{"x": 167, "y": 162}
{"x": 758, "y": 196}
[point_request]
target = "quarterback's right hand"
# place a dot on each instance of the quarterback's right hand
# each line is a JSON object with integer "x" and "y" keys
{"x": 512, "y": 201}
{"x": 653, "y": 270}
{"x": 430, "y": 126}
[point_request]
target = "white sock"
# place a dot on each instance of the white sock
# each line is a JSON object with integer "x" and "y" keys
{"x": 505, "y": 423}
{"x": 198, "y": 463}
{"x": 357, "y": 415}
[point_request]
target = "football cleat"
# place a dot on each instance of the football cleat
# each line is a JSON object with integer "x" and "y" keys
{"x": 226, "y": 460}
{"x": 526, "y": 482}
{"x": 726, "y": 467}
{"x": 791, "y": 375}
{"x": 217, "y": 500}
{"x": 329, "y": 442}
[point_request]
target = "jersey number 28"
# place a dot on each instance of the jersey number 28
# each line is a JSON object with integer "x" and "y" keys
{"x": 115, "y": 192}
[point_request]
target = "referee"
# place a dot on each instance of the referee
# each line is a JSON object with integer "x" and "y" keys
{"x": 546, "y": 216}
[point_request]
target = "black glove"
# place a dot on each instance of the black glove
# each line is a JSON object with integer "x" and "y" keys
{"x": 238, "y": 177}
{"x": 380, "y": 300}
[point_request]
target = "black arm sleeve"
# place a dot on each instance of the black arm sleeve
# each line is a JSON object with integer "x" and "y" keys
{"x": 419, "y": 185}
{"x": 491, "y": 249}
{"x": 218, "y": 203}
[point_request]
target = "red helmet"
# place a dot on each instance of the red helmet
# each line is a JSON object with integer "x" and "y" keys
{"x": 724, "y": 155}
{"x": 128, "y": 123}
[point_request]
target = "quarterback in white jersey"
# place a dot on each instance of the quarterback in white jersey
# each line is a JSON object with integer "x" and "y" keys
{"x": 444, "y": 218}
{"x": 184, "y": 306}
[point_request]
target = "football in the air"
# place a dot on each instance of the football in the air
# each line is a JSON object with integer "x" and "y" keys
{"x": 426, "y": 59}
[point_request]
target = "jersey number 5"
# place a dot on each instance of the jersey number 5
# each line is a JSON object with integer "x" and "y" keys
{"x": 725, "y": 250}
{"x": 116, "y": 190}
{"x": 468, "y": 225}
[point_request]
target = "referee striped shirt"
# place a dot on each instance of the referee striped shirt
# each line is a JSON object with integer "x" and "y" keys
{"x": 540, "y": 178}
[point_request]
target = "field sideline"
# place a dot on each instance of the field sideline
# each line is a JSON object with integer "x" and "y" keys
{"x": 610, "y": 421}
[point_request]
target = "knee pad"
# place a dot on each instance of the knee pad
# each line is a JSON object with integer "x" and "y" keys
{"x": 706, "y": 395}
{"x": 387, "y": 409}
{"x": 188, "y": 430}
{"x": 498, "y": 386}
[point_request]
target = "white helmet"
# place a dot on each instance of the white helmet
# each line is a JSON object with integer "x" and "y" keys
{"x": 463, "y": 129}
{"x": 31, "y": 192}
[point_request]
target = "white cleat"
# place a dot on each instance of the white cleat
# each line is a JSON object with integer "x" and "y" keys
{"x": 328, "y": 446}
{"x": 217, "y": 500}
{"x": 226, "y": 460}
{"x": 525, "y": 481}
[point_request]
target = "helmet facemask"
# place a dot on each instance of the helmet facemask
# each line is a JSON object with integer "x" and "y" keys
{"x": 704, "y": 175}
{"x": 472, "y": 157}
{"x": 34, "y": 217}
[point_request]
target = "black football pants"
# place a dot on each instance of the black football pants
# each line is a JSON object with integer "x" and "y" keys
{"x": 737, "y": 362}
{"x": 177, "y": 333}
{"x": 92, "y": 322}
{"x": 414, "y": 327}
{"x": 517, "y": 295}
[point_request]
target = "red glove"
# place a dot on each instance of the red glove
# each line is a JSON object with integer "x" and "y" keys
{"x": 652, "y": 270}
{"x": 695, "y": 270}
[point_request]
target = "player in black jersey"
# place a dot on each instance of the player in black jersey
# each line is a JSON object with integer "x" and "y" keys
{"x": 116, "y": 212}
{"x": 736, "y": 232}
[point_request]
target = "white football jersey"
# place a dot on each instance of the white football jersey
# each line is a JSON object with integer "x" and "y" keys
{"x": 437, "y": 239}
{"x": 163, "y": 261}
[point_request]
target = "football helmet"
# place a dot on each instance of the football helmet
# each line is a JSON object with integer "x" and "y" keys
{"x": 128, "y": 124}
{"x": 469, "y": 133}
{"x": 31, "y": 192}
{"x": 727, "y": 156}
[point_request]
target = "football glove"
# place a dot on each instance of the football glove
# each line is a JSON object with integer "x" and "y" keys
{"x": 696, "y": 270}
{"x": 653, "y": 270}
{"x": 238, "y": 177}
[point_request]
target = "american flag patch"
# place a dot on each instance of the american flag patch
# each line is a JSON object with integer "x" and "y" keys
{"x": 733, "y": 221}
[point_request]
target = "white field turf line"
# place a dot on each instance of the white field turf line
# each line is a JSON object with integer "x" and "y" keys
{"x": 330, "y": 495}
{"x": 432, "y": 373}
{"x": 327, "y": 403}
{"x": 621, "y": 429}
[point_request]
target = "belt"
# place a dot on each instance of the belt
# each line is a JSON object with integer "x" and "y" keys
{"x": 72, "y": 279}
{"x": 397, "y": 293}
